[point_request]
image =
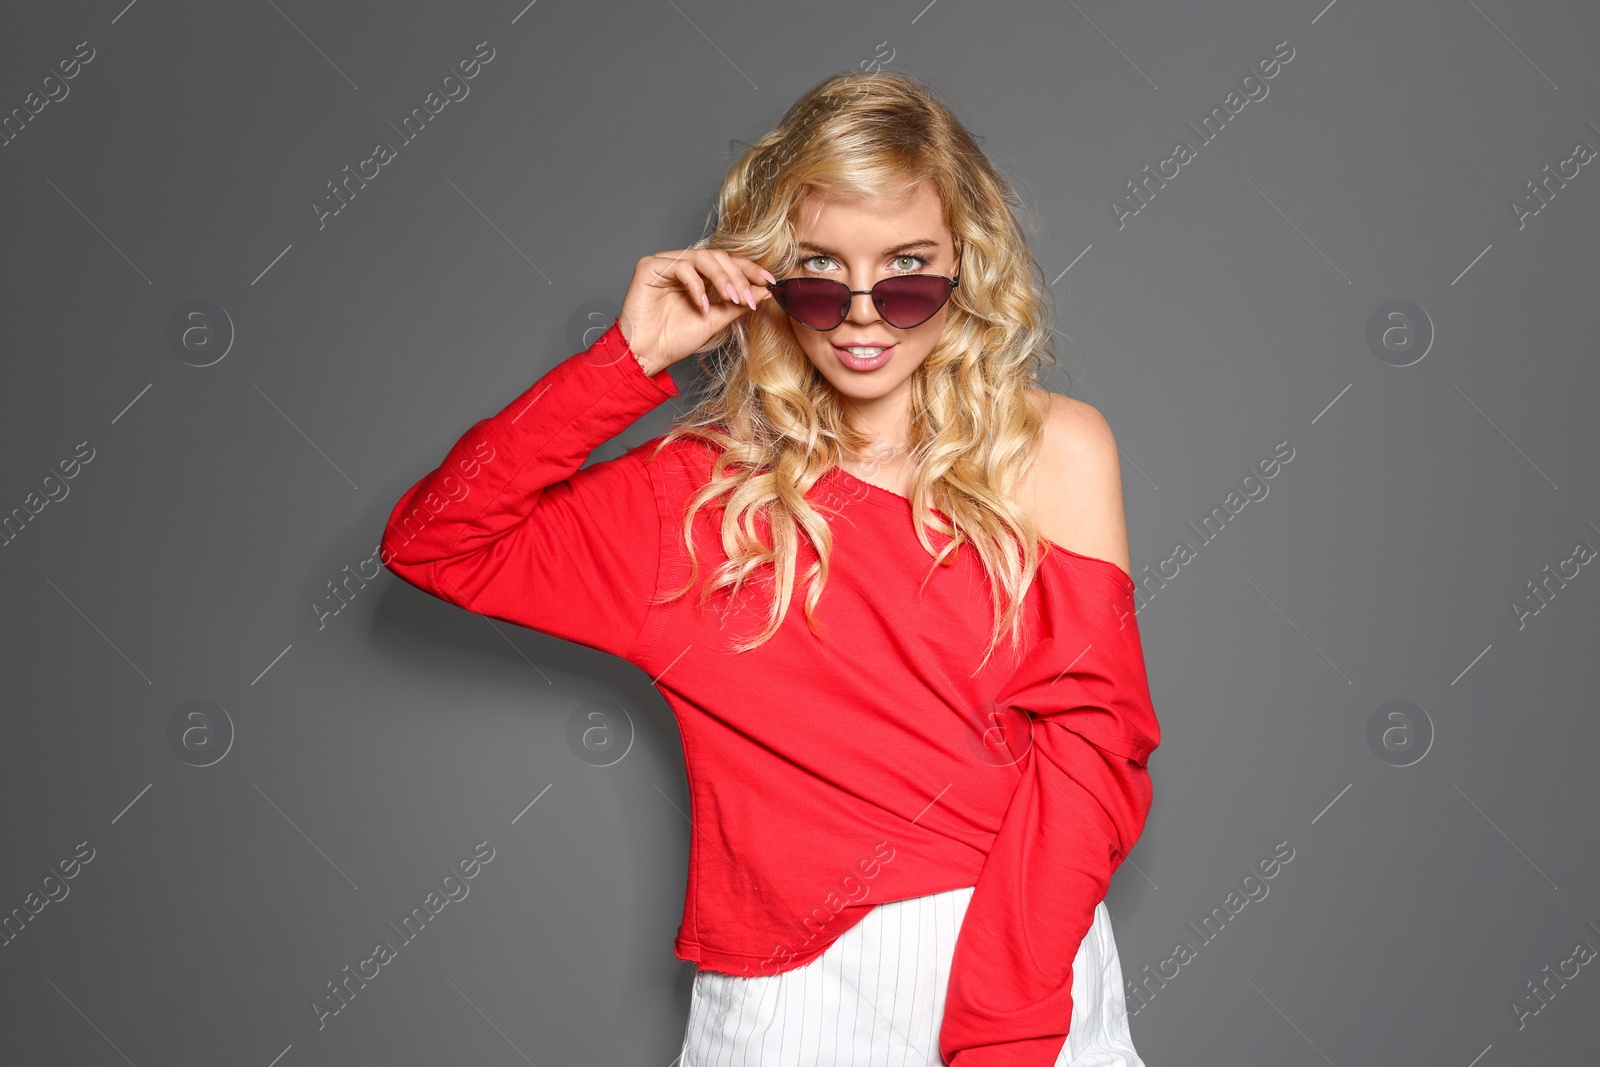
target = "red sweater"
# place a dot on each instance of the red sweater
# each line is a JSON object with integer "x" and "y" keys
{"x": 826, "y": 774}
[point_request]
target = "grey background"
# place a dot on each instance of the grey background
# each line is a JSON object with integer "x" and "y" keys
{"x": 370, "y": 753}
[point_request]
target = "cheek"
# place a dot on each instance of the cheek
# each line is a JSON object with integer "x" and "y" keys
{"x": 918, "y": 344}
{"x": 813, "y": 344}
{"x": 930, "y": 331}
{"x": 912, "y": 355}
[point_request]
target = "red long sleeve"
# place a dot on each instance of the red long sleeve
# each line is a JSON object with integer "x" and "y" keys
{"x": 1078, "y": 808}
{"x": 826, "y": 775}
{"x": 508, "y": 525}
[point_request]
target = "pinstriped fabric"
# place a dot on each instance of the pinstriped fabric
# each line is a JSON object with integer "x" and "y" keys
{"x": 875, "y": 998}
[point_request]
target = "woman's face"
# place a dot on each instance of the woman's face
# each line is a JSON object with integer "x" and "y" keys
{"x": 861, "y": 241}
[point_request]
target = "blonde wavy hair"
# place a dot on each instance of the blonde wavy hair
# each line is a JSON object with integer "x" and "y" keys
{"x": 778, "y": 425}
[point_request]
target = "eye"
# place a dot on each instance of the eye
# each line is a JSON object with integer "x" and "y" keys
{"x": 809, "y": 259}
{"x": 920, "y": 261}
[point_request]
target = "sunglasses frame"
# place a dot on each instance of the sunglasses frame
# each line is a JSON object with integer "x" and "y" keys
{"x": 955, "y": 283}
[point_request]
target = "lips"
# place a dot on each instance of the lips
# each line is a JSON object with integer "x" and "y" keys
{"x": 863, "y": 363}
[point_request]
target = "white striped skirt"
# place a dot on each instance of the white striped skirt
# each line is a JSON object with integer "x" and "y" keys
{"x": 875, "y": 998}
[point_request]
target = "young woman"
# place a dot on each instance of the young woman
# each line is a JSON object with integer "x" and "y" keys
{"x": 909, "y": 790}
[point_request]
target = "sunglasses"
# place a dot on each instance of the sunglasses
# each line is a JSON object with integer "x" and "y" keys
{"x": 904, "y": 301}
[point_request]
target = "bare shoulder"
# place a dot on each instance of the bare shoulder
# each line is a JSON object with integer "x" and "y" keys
{"x": 1074, "y": 490}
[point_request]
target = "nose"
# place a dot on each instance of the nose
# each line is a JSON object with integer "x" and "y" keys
{"x": 860, "y": 300}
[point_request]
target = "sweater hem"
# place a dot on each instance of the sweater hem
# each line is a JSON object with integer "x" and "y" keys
{"x": 750, "y": 965}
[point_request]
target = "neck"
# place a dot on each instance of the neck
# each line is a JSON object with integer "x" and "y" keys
{"x": 885, "y": 420}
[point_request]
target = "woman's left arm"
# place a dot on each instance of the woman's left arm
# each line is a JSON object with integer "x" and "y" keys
{"x": 1079, "y": 807}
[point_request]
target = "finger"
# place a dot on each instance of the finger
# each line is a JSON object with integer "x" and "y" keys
{"x": 662, "y": 268}
{"x": 690, "y": 279}
{"x": 704, "y": 263}
{"x": 755, "y": 271}
{"x": 756, "y": 279}
{"x": 736, "y": 279}
{"x": 732, "y": 286}
{"x": 708, "y": 279}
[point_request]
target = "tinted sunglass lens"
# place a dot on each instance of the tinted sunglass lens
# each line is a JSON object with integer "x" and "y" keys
{"x": 819, "y": 303}
{"x": 904, "y": 302}
{"x": 911, "y": 300}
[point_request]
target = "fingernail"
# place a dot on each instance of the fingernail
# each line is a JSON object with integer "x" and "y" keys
{"x": 733, "y": 297}
{"x": 749, "y": 299}
{"x": 768, "y": 276}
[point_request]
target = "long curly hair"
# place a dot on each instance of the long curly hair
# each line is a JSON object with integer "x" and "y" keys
{"x": 777, "y": 425}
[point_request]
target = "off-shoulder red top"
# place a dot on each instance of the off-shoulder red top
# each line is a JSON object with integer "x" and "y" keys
{"x": 827, "y": 774}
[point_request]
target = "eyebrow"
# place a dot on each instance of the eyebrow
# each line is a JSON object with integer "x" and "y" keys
{"x": 896, "y": 250}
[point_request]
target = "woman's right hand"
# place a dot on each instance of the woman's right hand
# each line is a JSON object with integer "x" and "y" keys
{"x": 679, "y": 300}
